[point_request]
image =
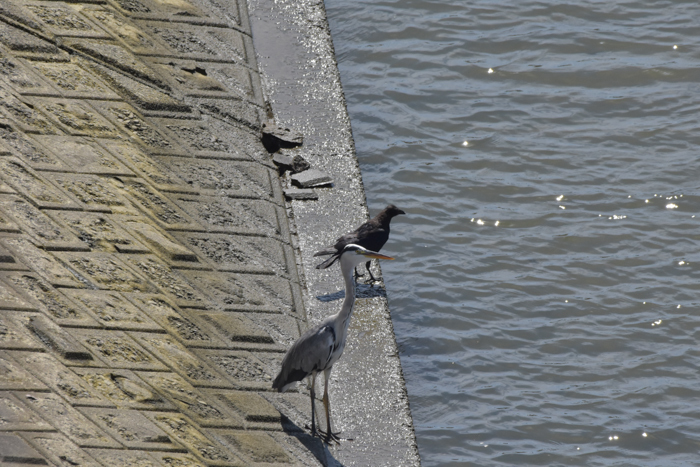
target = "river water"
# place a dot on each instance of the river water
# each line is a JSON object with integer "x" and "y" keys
{"x": 545, "y": 294}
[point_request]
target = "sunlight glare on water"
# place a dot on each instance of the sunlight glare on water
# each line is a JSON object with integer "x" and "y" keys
{"x": 545, "y": 292}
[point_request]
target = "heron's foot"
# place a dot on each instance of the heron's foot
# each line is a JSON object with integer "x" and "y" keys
{"x": 314, "y": 432}
{"x": 329, "y": 437}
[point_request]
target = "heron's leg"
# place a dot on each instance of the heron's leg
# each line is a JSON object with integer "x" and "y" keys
{"x": 371, "y": 277}
{"x": 330, "y": 436}
{"x": 314, "y": 432}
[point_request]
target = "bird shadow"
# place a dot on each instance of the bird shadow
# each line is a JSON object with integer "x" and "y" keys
{"x": 314, "y": 445}
{"x": 361, "y": 291}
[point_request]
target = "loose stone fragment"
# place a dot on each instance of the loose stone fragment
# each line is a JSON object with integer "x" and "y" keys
{"x": 275, "y": 137}
{"x": 300, "y": 194}
{"x": 311, "y": 178}
{"x": 295, "y": 164}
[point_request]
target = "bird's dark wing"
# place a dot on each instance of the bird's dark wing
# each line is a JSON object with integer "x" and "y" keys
{"x": 328, "y": 251}
{"x": 311, "y": 352}
{"x": 329, "y": 262}
{"x": 372, "y": 236}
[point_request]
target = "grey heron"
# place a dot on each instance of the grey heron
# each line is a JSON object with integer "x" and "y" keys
{"x": 372, "y": 235}
{"x": 322, "y": 345}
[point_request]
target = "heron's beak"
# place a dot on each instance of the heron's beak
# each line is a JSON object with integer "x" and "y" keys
{"x": 372, "y": 254}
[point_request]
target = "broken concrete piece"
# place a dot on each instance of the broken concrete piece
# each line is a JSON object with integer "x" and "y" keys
{"x": 294, "y": 164}
{"x": 275, "y": 137}
{"x": 311, "y": 178}
{"x": 300, "y": 194}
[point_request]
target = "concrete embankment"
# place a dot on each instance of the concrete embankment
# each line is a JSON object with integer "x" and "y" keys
{"x": 152, "y": 273}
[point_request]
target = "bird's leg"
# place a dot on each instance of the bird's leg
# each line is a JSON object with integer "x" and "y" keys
{"x": 358, "y": 275}
{"x": 371, "y": 277}
{"x": 330, "y": 436}
{"x": 313, "y": 430}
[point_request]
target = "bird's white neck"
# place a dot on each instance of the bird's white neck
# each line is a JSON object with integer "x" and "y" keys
{"x": 348, "y": 270}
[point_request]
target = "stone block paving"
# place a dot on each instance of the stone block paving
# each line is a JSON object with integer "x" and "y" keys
{"x": 148, "y": 282}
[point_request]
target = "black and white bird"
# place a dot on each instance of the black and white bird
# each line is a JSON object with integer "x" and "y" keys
{"x": 372, "y": 235}
{"x": 320, "y": 347}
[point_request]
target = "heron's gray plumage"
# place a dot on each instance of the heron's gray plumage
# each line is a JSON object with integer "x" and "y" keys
{"x": 310, "y": 353}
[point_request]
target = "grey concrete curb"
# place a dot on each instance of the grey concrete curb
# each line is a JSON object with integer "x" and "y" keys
{"x": 300, "y": 78}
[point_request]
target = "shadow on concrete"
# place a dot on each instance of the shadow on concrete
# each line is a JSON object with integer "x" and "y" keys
{"x": 362, "y": 291}
{"x": 314, "y": 445}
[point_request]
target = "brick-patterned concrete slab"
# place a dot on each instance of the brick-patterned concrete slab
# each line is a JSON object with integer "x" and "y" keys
{"x": 201, "y": 407}
{"x": 251, "y": 406}
{"x": 100, "y": 231}
{"x": 46, "y": 233}
{"x": 22, "y": 112}
{"x": 181, "y": 360}
{"x": 217, "y": 177}
{"x": 61, "y": 379}
{"x": 131, "y": 429}
{"x": 185, "y": 326}
{"x": 59, "y": 450}
{"x": 170, "y": 282}
{"x": 117, "y": 350}
{"x": 84, "y": 156}
{"x": 147, "y": 167}
{"x": 73, "y": 81}
{"x": 106, "y": 272}
{"x": 12, "y": 300}
{"x": 242, "y": 254}
{"x": 15, "y": 450}
{"x": 30, "y": 151}
{"x": 14, "y": 376}
{"x": 22, "y": 78}
{"x": 15, "y": 415}
{"x": 200, "y": 43}
{"x": 33, "y": 186}
{"x": 56, "y": 338}
{"x": 239, "y": 292}
{"x": 63, "y": 20}
{"x": 15, "y": 336}
{"x": 122, "y": 458}
{"x": 204, "y": 447}
{"x": 244, "y": 369}
{"x": 43, "y": 263}
{"x": 75, "y": 117}
{"x": 117, "y": 56}
{"x": 124, "y": 389}
{"x": 226, "y": 215}
{"x": 68, "y": 420}
{"x": 255, "y": 448}
{"x": 113, "y": 311}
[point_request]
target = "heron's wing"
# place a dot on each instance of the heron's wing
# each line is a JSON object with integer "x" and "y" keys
{"x": 311, "y": 352}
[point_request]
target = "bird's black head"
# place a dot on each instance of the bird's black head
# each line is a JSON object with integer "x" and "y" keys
{"x": 392, "y": 210}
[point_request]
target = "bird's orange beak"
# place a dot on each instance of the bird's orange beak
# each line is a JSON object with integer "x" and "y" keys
{"x": 377, "y": 255}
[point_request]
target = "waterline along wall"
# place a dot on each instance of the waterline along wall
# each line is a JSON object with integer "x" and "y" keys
{"x": 152, "y": 273}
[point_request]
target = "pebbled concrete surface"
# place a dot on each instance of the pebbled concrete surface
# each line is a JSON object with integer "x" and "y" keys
{"x": 150, "y": 277}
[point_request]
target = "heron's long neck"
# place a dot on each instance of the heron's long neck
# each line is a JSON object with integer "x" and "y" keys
{"x": 348, "y": 270}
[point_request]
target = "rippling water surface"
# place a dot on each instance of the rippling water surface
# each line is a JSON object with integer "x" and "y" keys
{"x": 545, "y": 296}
